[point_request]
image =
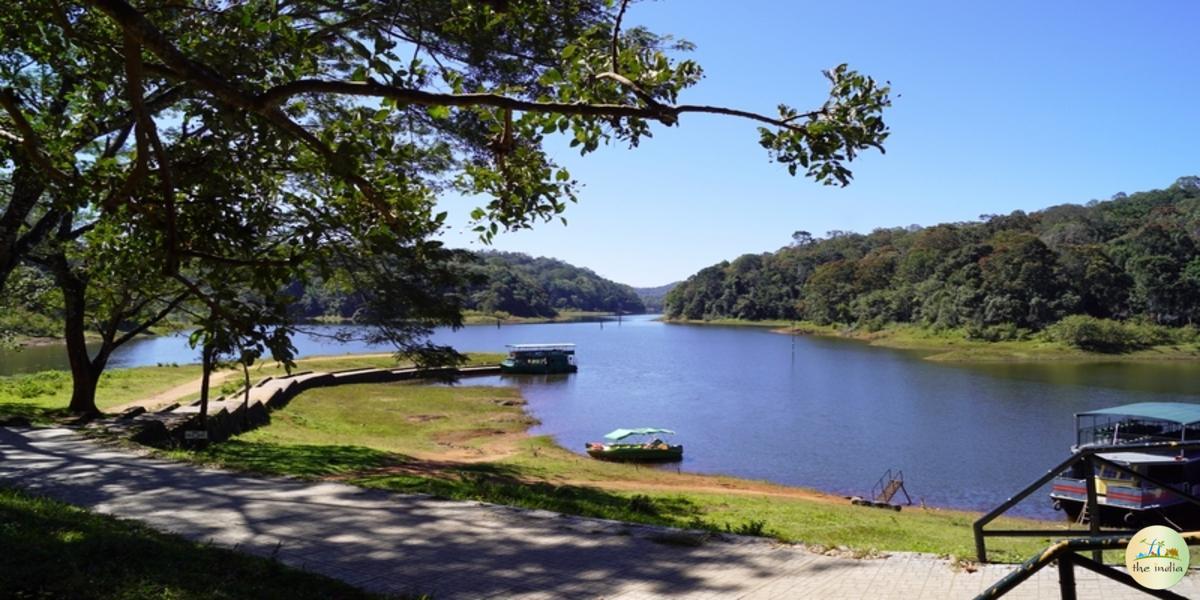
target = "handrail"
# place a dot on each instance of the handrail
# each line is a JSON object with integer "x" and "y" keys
{"x": 879, "y": 486}
{"x": 1064, "y": 552}
{"x": 1085, "y": 454}
{"x": 885, "y": 481}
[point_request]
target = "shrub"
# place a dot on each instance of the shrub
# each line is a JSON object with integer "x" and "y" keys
{"x": 25, "y": 387}
{"x": 996, "y": 333}
{"x": 1106, "y": 335}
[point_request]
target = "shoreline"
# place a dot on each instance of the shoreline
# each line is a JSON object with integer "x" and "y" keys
{"x": 474, "y": 443}
{"x": 950, "y": 347}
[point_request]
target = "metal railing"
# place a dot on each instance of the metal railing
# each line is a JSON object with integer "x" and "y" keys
{"x": 1065, "y": 552}
{"x": 889, "y": 483}
{"x": 1086, "y": 455}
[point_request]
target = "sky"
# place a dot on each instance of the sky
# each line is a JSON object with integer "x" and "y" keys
{"x": 998, "y": 107}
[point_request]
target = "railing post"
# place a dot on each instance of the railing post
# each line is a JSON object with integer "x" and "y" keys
{"x": 1066, "y": 576}
{"x": 1093, "y": 504}
{"x": 980, "y": 544}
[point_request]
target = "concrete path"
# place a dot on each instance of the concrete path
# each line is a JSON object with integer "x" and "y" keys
{"x": 392, "y": 543}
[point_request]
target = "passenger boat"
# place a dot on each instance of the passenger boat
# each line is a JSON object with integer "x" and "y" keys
{"x": 1123, "y": 434}
{"x": 539, "y": 359}
{"x": 625, "y": 445}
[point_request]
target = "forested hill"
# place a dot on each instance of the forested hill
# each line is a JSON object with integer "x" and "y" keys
{"x": 653, "y": 297}
{"x": 1132, "y": 257}
{"x": 525, "y": 286}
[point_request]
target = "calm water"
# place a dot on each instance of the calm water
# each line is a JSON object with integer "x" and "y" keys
{"x": 820, "y": 413}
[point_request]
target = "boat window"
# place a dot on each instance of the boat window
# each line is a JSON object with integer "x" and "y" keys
{"x": 1108, "y": 472}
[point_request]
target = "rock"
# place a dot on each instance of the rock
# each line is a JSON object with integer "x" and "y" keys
{"x": 130, "y": 413}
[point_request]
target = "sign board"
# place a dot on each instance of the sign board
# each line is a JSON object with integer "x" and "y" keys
{"x": 195, "y": 435}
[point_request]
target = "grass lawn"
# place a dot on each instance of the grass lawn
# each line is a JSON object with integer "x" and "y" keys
{"x": 952, "y": 345}
{"x": 467, "y": 443}
{"x": 55, "y": 550}
{"x": 471, "y": 317}
{"x": 43, "y": 396}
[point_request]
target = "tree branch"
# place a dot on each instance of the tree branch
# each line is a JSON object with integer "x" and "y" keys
{"x": 29, "y": 138}
{"x": 148, "y": 323}
{"x": 147, "y": 135}
{"x": 241, "y": 262}
{"x": 616, "y": 37}
{"x": 660, "y": 112}
{"x": 203, "y": 77}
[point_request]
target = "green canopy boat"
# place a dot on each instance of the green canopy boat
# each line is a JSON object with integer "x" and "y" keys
{"x": 636, "y": 445}
{"x": 539, "y": 359}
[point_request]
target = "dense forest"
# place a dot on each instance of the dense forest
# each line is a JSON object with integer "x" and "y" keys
{"x": 1132, "y": 258}
{"x": 503, "y": 282}
{"x": 492, "y": 282}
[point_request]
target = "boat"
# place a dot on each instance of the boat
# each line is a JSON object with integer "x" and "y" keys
{"x": 636, "y": 445}
{"x": 1132, "y": 436}
{"x": 539, "y": 359}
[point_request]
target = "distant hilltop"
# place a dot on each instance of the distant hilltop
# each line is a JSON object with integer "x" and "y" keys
{"x": 653, "y": 297}
{"x": 508, "y": 283}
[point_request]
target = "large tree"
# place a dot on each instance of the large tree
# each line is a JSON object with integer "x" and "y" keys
{"x": 253, "y": 141}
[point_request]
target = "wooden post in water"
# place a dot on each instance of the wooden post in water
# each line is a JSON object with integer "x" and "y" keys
{"x": 793, "y": 341}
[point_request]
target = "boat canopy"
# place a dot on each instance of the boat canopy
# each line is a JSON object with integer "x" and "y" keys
{"x": 620, "y": 434}
{"x": 1139, "y": 458}
{"x": 540, "y": 347}
{"x": 1182, "y": 413}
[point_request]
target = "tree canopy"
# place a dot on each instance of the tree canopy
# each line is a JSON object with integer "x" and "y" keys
{"x": 1132, "y": 257}
{"x": 248, "y": 145}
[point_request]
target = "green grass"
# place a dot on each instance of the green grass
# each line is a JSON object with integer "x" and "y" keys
{"x": 471, "y": 317}
{"x": 395, "y": 437}
{"x": 401, "y": 418}
{"x": 55, "y": 550}
{"x": 730, "y": 322}
{"x": 953, "y": 345}
{"x": 43, "y": 396}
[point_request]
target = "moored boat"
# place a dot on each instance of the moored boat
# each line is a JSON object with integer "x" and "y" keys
{"x": 539, "y": 359}
{"x": 1132, "y": 437}
{"x": 636, "y": 445}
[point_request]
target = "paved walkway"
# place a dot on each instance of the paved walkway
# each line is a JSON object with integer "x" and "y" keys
{"x": 393, "y": 543}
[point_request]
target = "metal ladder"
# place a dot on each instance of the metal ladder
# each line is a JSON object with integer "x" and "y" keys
{"x": 888, "y": 485}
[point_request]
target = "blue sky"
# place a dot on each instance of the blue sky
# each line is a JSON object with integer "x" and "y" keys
{"x": 1005, "y": 106}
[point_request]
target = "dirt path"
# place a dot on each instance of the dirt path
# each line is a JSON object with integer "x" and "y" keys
{"x": 179, "y": 392}
{"x": 184, "y": 390}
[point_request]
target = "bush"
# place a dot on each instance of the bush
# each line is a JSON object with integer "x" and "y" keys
{"x": 1106, "y": 335}
{"x": 33, "y": 385}
{"x": 996, "y": 333}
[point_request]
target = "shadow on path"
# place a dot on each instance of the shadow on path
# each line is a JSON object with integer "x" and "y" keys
{"x": 382, "y": 541}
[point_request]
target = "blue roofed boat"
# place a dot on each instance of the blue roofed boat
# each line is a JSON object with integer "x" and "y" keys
{"x": 1137, "y": 437}
{"x": 636, "y": 445}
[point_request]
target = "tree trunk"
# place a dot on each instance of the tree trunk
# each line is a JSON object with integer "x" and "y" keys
{"x": 84, "y": 374}
{"x": 26, "y": 188}
{"x": 206, "y": 365}
{"x": 246, "y": 398}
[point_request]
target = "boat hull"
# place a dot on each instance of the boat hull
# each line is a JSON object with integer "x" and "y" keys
{"x": 668, "y": 454}
{"x": 519, "y": 369}
{"x": 1183, "y": 516}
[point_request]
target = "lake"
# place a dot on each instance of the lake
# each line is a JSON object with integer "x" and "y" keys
{"x": 815, "y": 412}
